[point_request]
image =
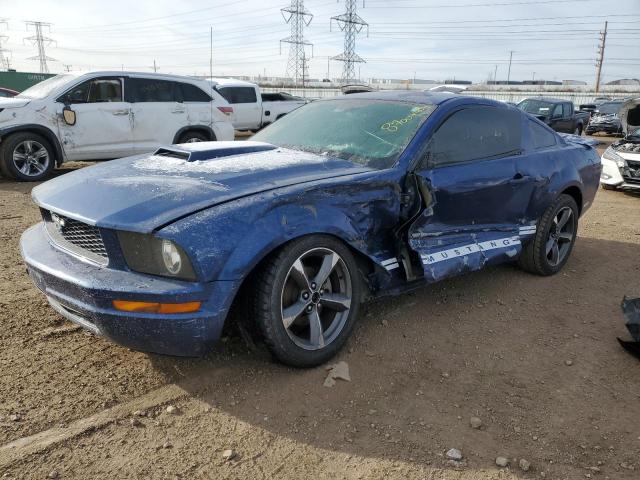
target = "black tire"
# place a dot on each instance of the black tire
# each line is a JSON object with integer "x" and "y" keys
{"x": 38, "y": 162}
{"x": 193, "y": 136}
{"x": 276, "y": 289}
{"x": 535, "y": 256}
{"x": 578, "y": 130}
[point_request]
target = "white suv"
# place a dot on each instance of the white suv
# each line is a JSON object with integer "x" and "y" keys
{"x": 104, "y": 115}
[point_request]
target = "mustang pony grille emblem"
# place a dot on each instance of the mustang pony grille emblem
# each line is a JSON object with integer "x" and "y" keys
{"x": 58, "y": 221}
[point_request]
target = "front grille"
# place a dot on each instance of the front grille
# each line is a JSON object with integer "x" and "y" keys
{"x": 82, "y": 239}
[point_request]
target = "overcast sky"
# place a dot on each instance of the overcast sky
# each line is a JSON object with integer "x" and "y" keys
{"x": 431, "y": 39}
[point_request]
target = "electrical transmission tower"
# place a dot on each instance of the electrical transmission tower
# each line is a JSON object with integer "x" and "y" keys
{"x": 299, "y": 17}
{"x": 351, "y": 24}
{"x": 40, "y": 40}
{"x": 603, "y": 42}
{"x": 4, "y": 57}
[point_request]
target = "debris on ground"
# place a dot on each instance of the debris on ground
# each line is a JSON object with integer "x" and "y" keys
{"x": 454, "y": 454}
{"x": 337, "y": 371}
{"x": 524, "y": 465}
{"x": 568, "y": 363}
{"x": 475, "y": 422}
{"x": 631, "y": 310}
{"x": 228, "y": 455}
{"x": 53, "y": 474}
{"x": 502, "y": 462}
{"x": 172, "y": 409}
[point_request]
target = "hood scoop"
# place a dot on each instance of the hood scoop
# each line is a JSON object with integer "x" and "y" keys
{"x": 192, "y": 152}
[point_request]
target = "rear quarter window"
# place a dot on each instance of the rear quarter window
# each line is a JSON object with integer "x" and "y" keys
{"x": 191, "y": 93}
{"x": 152, "y": 90}
{"x": 238, "y": 94}
{"x": 541, "y": 137}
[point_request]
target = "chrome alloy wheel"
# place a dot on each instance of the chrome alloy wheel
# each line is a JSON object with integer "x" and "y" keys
{"x": 31, "y": 158}
{"x": 194, "y": 140}
{"x": 316, "y": 298}
{"x": 561, "y": 235}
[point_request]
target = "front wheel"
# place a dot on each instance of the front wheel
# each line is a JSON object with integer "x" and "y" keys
{"x": 193, "y": 137}
{"x": 578, "y": 130}
{"x": 27, "y": 157}
{"x": 307, "y": 300}
{"x": 549, "y": 250}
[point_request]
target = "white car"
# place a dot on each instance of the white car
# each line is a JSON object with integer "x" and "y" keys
{"x": 104, "y": 115}
{"x": 621, "y": 161}
{"x": 252, "y": 108}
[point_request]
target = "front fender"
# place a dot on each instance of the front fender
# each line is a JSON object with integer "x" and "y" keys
{"x": 227, "y": 241}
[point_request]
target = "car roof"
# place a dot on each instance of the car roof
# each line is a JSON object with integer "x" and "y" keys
{"x": 427, "y": 98}
{"x": 116, "y": 73}
{"x": 548, "y": 99}
{"x": 229, "y": 82}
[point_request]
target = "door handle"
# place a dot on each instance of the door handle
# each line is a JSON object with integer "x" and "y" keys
{"x": 519, "y": 178}
{"x": 120, "y": 112}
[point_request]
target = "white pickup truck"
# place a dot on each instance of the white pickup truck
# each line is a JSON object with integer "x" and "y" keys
{"x": 252, "y": 108}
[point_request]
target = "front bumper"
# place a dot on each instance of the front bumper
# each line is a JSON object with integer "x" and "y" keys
{"x": 612, "y": 176}
{"x": 83, "y": 293}
{"x": 603, "y": 127}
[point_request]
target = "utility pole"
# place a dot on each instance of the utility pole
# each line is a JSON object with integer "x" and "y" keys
{"x": 4, "y": 58}
{"x": 40, "y": 41}
{"x": 67, "y": 67}
{"x": 603, "y": 41}
{"x": 211, "y": 54}
{"x": 509, "y": 72}
{"x": 495, "y": 74}
{"x": 155, "y": 68}
{"x": 299, "y": 17}
{"x": 328, "y": 77}
{"x": 533, "y": 78}
{"x": 351, "y": 24}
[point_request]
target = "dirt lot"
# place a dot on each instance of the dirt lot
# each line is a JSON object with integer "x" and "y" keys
{"x": 536, "y": 359}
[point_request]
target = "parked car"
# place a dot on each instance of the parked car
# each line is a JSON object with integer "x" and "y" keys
{"x": 605, "y": 118}
{"x": 621, "y": 161}
{"x": 7, "y": 93}
{"x": 342, "y": 200}
{"x": 104, "y": 115}
{"x": 558, "y": 114}
{"x": 588, "y": 107}
{"x": 253, "y": 109}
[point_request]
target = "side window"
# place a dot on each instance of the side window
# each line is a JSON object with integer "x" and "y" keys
{"x": 238, "y": 94}
{"x": 566, "y": 110}
{"x": 191, "y": 93}
{"x": 476, "y": 133}
{"x": 541, "y": 137}
{"x": 97, "y": 90}
{"x": 152, "y": 90}
{"x": 557, "y": 111}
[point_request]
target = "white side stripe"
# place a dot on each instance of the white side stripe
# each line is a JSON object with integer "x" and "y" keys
{"x": 391, "y": 266}
{"x": 389, "y": 261}
{"x": 468, "y": 249}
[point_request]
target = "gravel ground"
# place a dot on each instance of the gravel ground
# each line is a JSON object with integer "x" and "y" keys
{"x": 534, "y": 360}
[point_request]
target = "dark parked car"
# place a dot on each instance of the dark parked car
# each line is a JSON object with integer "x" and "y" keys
{"x": 342, "y": 200}
{"x": 606, "y": 118}
{"x": 558, "y": 114}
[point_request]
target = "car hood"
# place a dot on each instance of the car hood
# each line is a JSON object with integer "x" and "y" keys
{"x": 630, "y": 115}
{"x": 145, "y": 192}
{"x": 605, "y": 118}
{"x": 13, "y": 102}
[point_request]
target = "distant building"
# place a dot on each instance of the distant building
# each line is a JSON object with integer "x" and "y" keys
{"x": 625, "y": 81}
{"x": 541, "y": 82}
{"x": 573, "y": 82}
{"x": 457, "y": 82}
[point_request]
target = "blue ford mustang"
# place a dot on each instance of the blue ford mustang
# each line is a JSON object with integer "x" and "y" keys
{"x": 341, "y": 200}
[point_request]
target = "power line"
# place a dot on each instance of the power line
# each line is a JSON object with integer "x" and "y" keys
{"x": 351, "y": 24}
{"x": 298, "y": 17}
{"x": 40, "y": 40}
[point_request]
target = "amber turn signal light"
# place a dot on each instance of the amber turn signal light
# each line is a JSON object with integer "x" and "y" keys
{"x": 154, "y": 307}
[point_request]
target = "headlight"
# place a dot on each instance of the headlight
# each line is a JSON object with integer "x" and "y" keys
{"x": 610, "y": 154}
{"x": 156, "y": 256}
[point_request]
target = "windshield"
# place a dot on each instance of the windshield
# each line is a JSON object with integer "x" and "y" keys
{"x": 369, "y": 132}
{"x": 536, "y": 107}
{"x": 44, "y": 88}
{"x": 610, "y": 107}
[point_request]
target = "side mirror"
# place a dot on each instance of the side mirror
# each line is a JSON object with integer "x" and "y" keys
{"x": 69, "y": 116}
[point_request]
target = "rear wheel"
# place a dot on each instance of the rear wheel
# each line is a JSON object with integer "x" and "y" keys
{"x": 551, "y": 247}
{"x": 307, "y": 300}
{"x": 578, "y": 130}
{"x": 27, "y": 157}
{"x": 193, "y": 137}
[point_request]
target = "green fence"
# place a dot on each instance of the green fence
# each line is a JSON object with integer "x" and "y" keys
{"x": 22, "y": 80}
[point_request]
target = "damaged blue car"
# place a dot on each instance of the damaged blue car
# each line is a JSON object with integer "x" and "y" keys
{"x": 340, "y": 201}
